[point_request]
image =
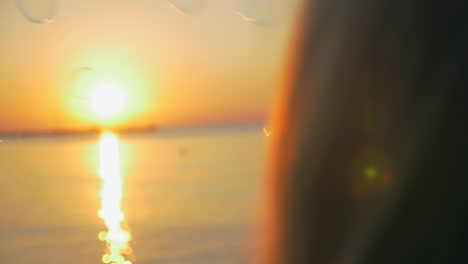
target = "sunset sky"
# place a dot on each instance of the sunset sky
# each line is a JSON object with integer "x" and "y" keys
{"x": 207, "y": 66}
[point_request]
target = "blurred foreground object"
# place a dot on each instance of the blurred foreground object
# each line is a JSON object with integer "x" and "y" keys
{"x": 369, "y": 160}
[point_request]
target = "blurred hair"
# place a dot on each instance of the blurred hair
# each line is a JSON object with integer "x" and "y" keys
{"x": 369, "y": 160}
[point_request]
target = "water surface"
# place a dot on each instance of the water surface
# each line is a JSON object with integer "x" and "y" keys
{"x": 189, "y": 197}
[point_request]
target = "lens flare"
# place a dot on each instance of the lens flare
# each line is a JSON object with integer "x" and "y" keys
{"x": 116, "y": 237}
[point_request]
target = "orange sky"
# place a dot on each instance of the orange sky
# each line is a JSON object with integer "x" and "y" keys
{"x": 174, "y": 69}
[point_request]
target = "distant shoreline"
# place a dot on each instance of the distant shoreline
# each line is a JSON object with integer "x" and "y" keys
{"x": 162, "y": 131}
{"x": 74, "y": 133}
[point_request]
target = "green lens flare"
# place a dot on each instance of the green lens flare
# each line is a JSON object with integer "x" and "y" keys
{"x": 370, "y": 172}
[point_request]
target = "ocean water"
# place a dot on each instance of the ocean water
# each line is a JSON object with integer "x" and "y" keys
{"x": 189, "y": 196}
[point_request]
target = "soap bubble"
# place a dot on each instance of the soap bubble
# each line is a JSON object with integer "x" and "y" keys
{"x": 38, "y": 11}
{"x": 80, "y": 83}
{"x": 188, "y": 7}
{"x": 263, "y": 13}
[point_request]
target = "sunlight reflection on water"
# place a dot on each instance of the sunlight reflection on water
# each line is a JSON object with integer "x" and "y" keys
{"x": 111, "y": 198}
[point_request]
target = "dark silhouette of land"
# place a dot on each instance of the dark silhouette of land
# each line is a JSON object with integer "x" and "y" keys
{"x": 92, "y": 131}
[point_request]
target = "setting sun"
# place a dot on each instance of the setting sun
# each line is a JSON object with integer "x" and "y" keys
{"x": 107, "y": 100}
{"x": 110, "y": 90}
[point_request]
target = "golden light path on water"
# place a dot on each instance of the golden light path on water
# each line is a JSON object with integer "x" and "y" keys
{"x": 116, "y": 237}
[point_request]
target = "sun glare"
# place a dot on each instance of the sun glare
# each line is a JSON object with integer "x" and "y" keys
{"x": 116, "y": 237}
{"x": 107, "y": 100}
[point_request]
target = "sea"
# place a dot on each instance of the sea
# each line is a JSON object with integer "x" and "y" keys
{"x": 189, "y": 196}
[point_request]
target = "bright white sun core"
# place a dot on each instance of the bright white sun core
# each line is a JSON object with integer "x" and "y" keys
{"x": 107, "y": 100}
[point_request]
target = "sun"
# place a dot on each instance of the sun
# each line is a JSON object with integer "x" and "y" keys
{"x": 107, "y": 100}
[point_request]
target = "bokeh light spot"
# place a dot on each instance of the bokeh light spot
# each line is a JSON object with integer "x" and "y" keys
{"x": 386, "y": 178}
{"x": 370, "y": 172}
